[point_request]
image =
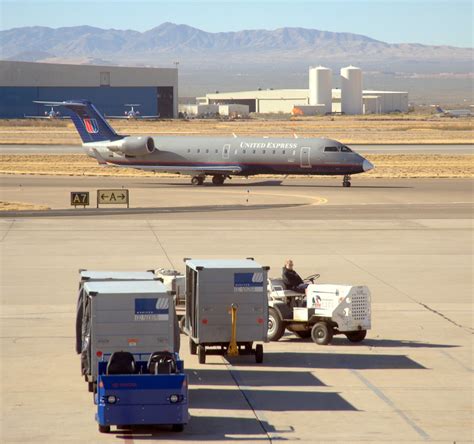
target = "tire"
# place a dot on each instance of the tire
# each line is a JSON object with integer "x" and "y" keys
{"x": 201, "y": 351}
{"x": 90, "y": 387}
{"x": 196, "y": 180}
{"x": 104, "y": 428}
{"x": 218, "y": 179}
{"x": 177, "y": 427}
{"x": 248, "y": 347}
{"x": 303, "y": 334}
{"x": 356, "y": 336}
{"x": 276, "y": 328}
{"x": 259, "y": 353}
{"x": 321, "y": 333}
{"x": 192, "y": 347}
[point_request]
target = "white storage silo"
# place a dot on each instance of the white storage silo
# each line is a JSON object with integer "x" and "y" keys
{"x": 320, "y": 89}
{"x": 351, "y": 90}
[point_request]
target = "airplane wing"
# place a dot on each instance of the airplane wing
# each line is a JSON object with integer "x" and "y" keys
{"x": 36, "y": 117}
{"x": 116, "y": 117}
{"x": 207, "y": 169}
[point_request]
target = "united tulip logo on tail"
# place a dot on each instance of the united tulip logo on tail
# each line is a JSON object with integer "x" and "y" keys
{"x": 91, "y": 126}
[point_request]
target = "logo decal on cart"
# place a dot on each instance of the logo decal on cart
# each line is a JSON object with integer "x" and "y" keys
{"x": 153, "y": 309}
{"x": 248, "y": 282}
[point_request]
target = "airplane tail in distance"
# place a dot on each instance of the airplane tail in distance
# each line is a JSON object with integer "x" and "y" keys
{"x": 439, "y": 109}
{"x": 90, "y": 123}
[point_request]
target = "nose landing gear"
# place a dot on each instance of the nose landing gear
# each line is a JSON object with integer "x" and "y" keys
{"x": 346, "y": 182}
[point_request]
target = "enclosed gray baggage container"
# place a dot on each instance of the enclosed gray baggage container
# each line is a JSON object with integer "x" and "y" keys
{"x": 134, "y": 316}
{"x": 83, "y": 315}
{"x": 213, "y": 287}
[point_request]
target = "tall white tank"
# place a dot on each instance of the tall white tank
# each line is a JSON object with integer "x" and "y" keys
{"x": 351, "y": 90}
{"x": 320, "y": 87}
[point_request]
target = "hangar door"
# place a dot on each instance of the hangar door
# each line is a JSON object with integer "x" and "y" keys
{"x": 164, "y": 95}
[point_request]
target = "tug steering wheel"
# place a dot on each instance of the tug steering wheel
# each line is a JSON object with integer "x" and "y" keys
{"x": 312, "y": 277}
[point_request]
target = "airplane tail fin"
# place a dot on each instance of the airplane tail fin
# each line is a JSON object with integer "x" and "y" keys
{"x": 90, "y": 123}
{"x": 439, "y": 109}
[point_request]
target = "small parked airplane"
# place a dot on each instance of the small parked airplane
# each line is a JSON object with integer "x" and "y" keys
{"x": 51, "y": 114}
{"x": 453, "y": 112}
{"x": 219, "y": 157}
{"x": 132, "y": 113}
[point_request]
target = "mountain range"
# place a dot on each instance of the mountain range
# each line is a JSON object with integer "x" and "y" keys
{"x": 168, "y": 42}
{"x": 251, "y": 59}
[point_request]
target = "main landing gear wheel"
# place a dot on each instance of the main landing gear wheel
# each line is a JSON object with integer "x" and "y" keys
{"x": 218, "y": 179}
{"x": 192, "y": 347}
{"x": 201, "y": 351}
{"x": 197, "y": 180}
{"x": 346, "y": 182}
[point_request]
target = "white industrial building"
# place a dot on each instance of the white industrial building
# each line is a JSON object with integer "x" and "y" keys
{"x": 320, "y": 98}
{"x": 210, "y": 109}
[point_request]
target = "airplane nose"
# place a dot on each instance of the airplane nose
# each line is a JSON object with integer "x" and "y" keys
{"x": 367, "y": 166}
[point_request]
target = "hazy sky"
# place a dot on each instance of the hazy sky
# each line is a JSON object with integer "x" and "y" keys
{"x": 439, "y": 22}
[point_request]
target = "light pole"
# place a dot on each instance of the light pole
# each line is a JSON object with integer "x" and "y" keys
{"x": 176, "y": 63}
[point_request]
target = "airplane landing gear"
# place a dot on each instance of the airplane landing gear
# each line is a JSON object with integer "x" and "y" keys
{"x": 197, "y": 180}
{"x": 218, "y": 179}
{"x": 346, "y": 182}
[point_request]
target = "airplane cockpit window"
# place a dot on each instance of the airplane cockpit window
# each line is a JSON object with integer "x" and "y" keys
{"x": 331, "y": 149}
{"x": 346, "y": 149}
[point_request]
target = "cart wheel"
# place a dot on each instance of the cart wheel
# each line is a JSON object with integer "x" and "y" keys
{"x": 276, "y": 328}
{"x": 104, "y": 428}
{"x": 90, "y": 387}
{"x": 259, "y": 353}
{"x": 356, "y": 336}
{"x": 303, "y": 334}
{"x": 192, "y": 347}
{"x": 94, "y": 387}
{"x": 201, "y": 351}
{"x": 177, "y": 427}
{"x": 321, "y": 333}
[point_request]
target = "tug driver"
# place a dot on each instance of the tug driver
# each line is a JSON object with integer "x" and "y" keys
{"x": 292, "y": 279}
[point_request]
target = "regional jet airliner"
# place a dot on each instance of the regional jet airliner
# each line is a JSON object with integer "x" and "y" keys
{"x": 219, "y": 157}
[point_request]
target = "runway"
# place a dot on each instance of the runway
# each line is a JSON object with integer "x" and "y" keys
{"x": 306, "y": 199}
{"x": 363, "y": 149}
{"x": 408, "y": 240}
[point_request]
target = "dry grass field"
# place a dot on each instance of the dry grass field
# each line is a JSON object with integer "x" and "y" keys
{"x": 21, "y": 206}
{"x": 406, "y": 128}
{"x": 386, "y": 166}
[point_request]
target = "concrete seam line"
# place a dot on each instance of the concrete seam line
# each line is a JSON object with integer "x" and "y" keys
{"x": 259, "y": 416}
{"x": 8, "y": 230}
{"x": 448, "y": 355}
{"x": 427, "y": 307}
{"x": 160, "y": 244}
{"x": 381, "y": 395}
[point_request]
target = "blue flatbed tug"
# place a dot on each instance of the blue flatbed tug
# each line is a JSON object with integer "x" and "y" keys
{"x": 141, "y": 392}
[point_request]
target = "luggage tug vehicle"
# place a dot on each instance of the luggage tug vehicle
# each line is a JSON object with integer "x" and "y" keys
{"x": 323, "y": 311}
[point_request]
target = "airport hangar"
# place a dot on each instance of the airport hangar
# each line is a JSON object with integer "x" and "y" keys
{"x": 283, "y": 100}
{"x": 319, "y": 98}
{"x": 109, "y": 87}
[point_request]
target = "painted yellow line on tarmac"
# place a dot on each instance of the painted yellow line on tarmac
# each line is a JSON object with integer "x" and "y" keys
{"x": 314, "y": 200}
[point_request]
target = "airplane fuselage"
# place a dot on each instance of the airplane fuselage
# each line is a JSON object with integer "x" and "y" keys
{"x": 250, "y": 155}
